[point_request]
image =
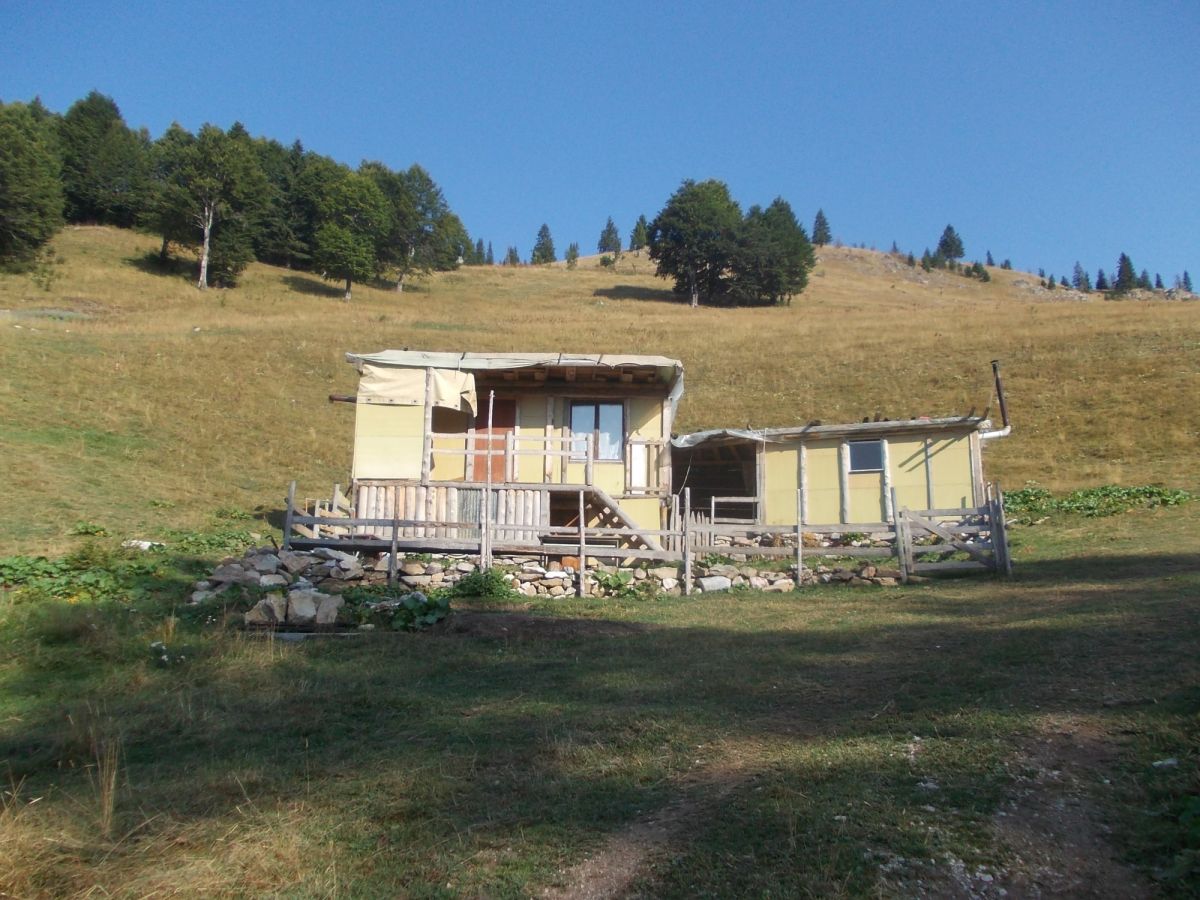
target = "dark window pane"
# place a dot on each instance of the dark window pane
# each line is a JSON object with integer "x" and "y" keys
{"x": 866, "y": 456}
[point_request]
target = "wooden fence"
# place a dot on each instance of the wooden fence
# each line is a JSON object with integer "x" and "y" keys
{"x": 485, "y": 521}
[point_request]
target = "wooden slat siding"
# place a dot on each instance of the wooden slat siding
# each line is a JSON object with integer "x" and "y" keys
{"x": 702, "y": 547}
{"x": 427, "y": 443}
{"x": 844, "y": 470}
{"x": 889, "y": 509}
{"x": 945, "y": 512}
{"x": 394, "y": 549}
{"x": 929, "y": 501}
{"x": 687, "y": 541}
{"x": 582, "y": 583}
{"x": 287, "y": 516}
{"x": 948, "y": 537}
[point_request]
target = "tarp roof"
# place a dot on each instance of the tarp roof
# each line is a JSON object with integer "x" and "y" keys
{"x": 670, "y": 369}
{"x": 862, "y": 430}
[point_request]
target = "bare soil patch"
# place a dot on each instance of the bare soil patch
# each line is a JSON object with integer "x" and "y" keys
{"x": 625, "y": 856}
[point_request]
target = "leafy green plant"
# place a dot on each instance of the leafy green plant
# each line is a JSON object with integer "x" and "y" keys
{"x": 400, "y": 611}
{"x": 1033, "y": 502}
{"x": 488, "y": 583}
{"x": 623, "y": 586}
{"x": 218, "y": 540}
{"x": 89, "y": 529}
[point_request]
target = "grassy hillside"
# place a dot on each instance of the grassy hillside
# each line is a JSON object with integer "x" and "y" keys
{"x": 133, "y": 402}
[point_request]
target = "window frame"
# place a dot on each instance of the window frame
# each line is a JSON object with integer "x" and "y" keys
{"x": 878, "y": 442}
{"x": 579, "y": 454}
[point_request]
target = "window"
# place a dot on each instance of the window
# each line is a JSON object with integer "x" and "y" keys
{"x": 605, "y": 419}
{"x": 866, "y": 456}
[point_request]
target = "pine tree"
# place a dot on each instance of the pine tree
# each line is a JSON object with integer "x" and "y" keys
{"x": 1050, "y": 283}
{"x": 490, "y": 259}
{"x": 1187, "y": 282}
{"x": 610, "y": 239}
{"x": 1158, "y": 282}
{"x": 543, "y": 247}
{"x": 821, "y": 233}
{"x": 911, "y": 260}
{"x": 640, "y": 236}
{"x": 1126, "y": 279}
{"x": 1062, "y": 281}
{"x": 478, "y": 257}
{"x": 1143, "y": 280}
{"x": 1101, "y": 280}
{"x": 990, "y": 261}
{"x": 1080, "y": 280}
{"x": 512, "y": 257}
{"x": 31, "y": 196}
{"x": 1006, "y": 265}
{"x": 950, "y": 245}
{"x": 572, "y": 255}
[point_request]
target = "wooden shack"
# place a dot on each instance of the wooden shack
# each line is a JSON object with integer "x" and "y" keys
{"x": 548, "y": 434}
{"x": 833, "y": 474}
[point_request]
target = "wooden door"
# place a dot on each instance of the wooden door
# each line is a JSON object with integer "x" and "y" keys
{"x": 493, "y": 433}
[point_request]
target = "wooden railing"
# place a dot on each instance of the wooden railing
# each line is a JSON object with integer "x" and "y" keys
{"x": 482, "y": 519}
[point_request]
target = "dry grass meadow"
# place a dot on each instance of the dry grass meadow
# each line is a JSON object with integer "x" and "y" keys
{"x": 138, "y": 403}
{"x": 969, "y": 737}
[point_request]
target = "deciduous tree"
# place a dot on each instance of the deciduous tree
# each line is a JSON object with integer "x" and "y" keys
{"x": 692, "y": 238}
{"x": 355, "y": 222}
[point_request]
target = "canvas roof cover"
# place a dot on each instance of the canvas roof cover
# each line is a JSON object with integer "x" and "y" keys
{"x": 397, "y": 376}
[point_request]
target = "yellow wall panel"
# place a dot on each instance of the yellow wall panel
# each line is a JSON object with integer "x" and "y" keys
{"x": 824, "y": 478}
{"x": 906, "y": 458}
{"x": 388, "y": 441}
{"x": 782, "y": 479}
{"x": 866, "y": 497}
{"x": 449, "y": 466}
{"x": 951, "y": 464}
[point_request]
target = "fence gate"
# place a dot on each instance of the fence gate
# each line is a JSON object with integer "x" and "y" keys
{"x": 978, "y": 532}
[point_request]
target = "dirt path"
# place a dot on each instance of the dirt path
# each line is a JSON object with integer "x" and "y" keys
{"x": 625, "y": 855}
{"x": 1050, "y": 834}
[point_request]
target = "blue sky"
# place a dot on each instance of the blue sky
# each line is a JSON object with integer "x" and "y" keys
{"x": 1045, "y": 132}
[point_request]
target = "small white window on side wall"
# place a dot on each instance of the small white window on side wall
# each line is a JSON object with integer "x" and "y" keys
{"x": 866, "y": 456}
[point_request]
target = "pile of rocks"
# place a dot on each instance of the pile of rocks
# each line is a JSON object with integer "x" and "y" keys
{"x": 303, "y": 587}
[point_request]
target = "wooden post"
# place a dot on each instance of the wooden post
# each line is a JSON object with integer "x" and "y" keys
{"x": 803, "y": 479}
{"x": 548, "y": 442}
{"x": 844, "y": 479}
{"x": 395, "y": 543}
{"x": 287, "y": 516}
{"x": 589, "y": 448}
{"x": 687, "y": 541}
{"x": 674, "y": 522}
{"x": 509, "y": 458}
{"x": 889, "y": 495}
{"x": 582, "y": 589}
{"x": 900, "y": 538}
{"x": 427, "y": 444}
{"x": 485, "y": 527}
{"x": 799, "y": 536}
{"x": 929, "y": 474}
{"x": 1008, "y": 566}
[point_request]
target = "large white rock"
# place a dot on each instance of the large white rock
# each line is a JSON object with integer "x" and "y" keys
{"x": 712, "y": 583}
{"x": 327, "y": 610}
{"x": 302, "y": 607}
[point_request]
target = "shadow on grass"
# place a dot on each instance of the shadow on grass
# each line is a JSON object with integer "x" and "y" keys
{"x": 637, "y": 292}
{"x": 313, "y": 286}
{"x": 465, "y": 742}
{"x": 151, "y": 263}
